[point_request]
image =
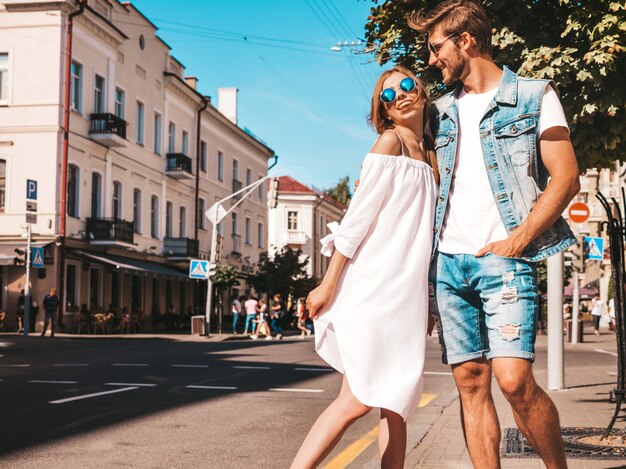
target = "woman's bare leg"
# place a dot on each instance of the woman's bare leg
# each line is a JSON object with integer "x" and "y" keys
{"x": 329, "y": 428}
{"x": 391, "y": 440}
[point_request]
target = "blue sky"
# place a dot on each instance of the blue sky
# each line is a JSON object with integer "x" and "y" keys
{"x": 306, "y": 102}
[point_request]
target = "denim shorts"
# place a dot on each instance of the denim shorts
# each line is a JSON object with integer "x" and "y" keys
{"x": 486, "y": 306}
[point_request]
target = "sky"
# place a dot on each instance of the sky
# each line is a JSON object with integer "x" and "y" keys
{"x": 305, "y": 101}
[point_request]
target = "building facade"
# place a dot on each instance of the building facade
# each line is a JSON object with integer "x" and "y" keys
{"x": 147, "y": 155}
{"x": 301, "y": 219}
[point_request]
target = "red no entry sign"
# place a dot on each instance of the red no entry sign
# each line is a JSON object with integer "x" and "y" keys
{"x": 579, "y": 212}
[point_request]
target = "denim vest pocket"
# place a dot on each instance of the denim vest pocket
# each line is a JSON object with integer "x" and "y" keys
{"x": 516, "y": 139}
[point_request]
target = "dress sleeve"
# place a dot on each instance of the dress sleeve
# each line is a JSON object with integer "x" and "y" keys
{"x": 376, "y": 178}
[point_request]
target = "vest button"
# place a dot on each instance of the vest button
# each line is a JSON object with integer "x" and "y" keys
{"x": 514, "y": 129}
{"x": 452, "y": 138}
{"x": 447, "y": 170}
{"x": 441, "y": 198}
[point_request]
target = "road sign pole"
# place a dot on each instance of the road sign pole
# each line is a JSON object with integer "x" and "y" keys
{"x": 26, "y": 324}
{"x": 209, "y": 282}
{"x": 555, "y": 322}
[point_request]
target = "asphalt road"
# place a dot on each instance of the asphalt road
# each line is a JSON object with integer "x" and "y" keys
{"x": 72, "y": 402}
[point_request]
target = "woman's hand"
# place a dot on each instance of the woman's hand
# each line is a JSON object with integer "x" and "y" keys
{"x": 432, "y": 321}
{"x": 319, "y": 299}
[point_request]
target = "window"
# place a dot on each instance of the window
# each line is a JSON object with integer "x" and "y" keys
{"x": 157, "y": 133}
{"x": 235, "y": 170}
{"x": 140, "y": 123}
{"x": 137, "y": 210}
{"x": 154, "y": 216}
{"x": 220, "y": 166}
{"x": 260, "y": 235}
{"x": 115, "y": 289}
{"x": 76, "y": 98}
{"x": 3, "y": 184}
{"x": 233, "y": 224}
{"x": 4, "y": 77}
{"x": 182, "y": 222}
{"x": 117, "y": 200}
{"x": 98, "y": 94}
{"x": 201, "y": 217}
{"x": 248, "y": 234}
{"x": 169, "y": 209}
{"x": 248, "y": 177}
{"x": 96, "y": 195}
{"x": 203, "y": 156}
{"x": 185, "y": 143}
{"x": 261, "y": 190}
{"x": 171, "y": 138}
{"x": 292, "y": 220}
{"x": 94, "y": 287}
{"x": 70, "y": 285}
{"x": 120, "y": 103}
{"x": 72, "y": 190}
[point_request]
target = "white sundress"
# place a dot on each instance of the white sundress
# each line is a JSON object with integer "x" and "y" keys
{"x": 374, "y": 331}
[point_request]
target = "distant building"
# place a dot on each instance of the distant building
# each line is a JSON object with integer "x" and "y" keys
{"x": 147, "y": 156}
{"x": 300, "y": 220}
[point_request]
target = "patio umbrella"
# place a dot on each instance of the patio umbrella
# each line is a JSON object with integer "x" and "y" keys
{"x": 585, "y": 293}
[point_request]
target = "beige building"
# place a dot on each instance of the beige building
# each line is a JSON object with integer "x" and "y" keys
{"x": 300, "y": 220}
{"x": 147, "y": 155}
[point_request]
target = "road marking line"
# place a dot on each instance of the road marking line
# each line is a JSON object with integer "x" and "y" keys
{"x": 95, "y": 394}
{"x": 15, "y": 366}
{"x": 241, "y": 367}
{"x": 43, "y": 381}
{"x": 353, "y": 451}
{"x": 130, "y": 384}
{"x": 192, "y": 386}
{"x": 605, "y": 351}
{"x": 426, "y": 399}
{"x": 129, "y": 364}
{"x": 70, "y": 364}
{"x": 446, "y": 373}
{"x": 295, "y": 390}
{"x": 315, "y": 369}
{"x": 190, "y": 366}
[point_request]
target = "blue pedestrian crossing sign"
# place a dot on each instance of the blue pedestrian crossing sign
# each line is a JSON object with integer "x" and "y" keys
{"x": 36, "y": 258}
{"x": 593, "y": 248}
{"x": 199, "y": 269}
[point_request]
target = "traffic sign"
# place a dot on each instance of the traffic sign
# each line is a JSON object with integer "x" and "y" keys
{"x": 593, "y": 248}
{"x": 579, "y": 212}
{"x": 31, "y": 189}
{"x": 215, "y": 213}
{"x": 37, "y": 258}
{"x": 199, "y": 268}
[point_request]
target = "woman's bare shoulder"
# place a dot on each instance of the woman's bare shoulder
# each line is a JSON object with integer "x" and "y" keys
{"x": 387, "y": 144}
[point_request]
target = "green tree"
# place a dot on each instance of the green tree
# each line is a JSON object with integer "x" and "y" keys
{"x": 285, "y": 273}
{"x": 579, "y": 44}
{"x": 341, "y": 191}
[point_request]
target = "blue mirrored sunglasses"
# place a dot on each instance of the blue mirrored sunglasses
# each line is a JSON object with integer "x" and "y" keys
{"x": 388, "y": 95}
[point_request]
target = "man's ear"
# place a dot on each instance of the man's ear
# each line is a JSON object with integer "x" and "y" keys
{"x": 466, "y": 41}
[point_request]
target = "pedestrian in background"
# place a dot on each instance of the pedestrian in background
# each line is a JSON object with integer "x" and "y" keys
{"x": 598, "y": 309}
{"x": 262, "y": 326}
{"x": 50, "y": 306}
{"x": 235, "y": 309}
{"x": 278, "y": 313}
{"x": 250, "y": 307}
{"x": 301, "y": 318}
{"x": 20, "y": 312}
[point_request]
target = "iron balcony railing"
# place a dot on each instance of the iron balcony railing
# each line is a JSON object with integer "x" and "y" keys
{"x": 178, "y": 162}
{"x": 237, "y": 185}
{"x": 180, "y": 247}
{"x": 107, "y": 123}
{"x": 236, "y": 252}
{"x": 110, "y": 229}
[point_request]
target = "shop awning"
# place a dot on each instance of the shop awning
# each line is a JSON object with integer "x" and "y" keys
{"x": 127, "y": 263}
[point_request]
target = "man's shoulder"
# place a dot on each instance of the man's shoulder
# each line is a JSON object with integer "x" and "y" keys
{"x": 443, "y": 101}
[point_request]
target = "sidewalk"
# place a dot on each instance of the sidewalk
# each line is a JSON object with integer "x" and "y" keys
{"x": 590, "y": 373}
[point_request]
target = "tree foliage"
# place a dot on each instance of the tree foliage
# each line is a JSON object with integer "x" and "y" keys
{"x": 580, "y": 44}
{"x": 285, "y": 273}
{"x": 225, "y": 276}
{"x": 341, "y": 191}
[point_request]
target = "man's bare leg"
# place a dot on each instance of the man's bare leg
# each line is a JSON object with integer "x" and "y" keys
{"x": 535, "y": 413}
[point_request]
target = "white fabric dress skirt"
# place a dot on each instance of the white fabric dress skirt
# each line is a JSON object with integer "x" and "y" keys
{"x": 374, "y": 331}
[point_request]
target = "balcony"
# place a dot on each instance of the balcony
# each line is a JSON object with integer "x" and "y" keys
{"x": 110, "y": 232}
{"x": 180, "y": 248}
{"x": 296, "y": 237}
{"x": 108, "y": 129}
{"x": 236, "y": 252}
{"x": 237, "y": 185}
{"x": 178, "y": 166}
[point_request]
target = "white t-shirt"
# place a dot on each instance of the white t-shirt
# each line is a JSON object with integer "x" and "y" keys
{"x": 235, "y": 306}
{"x": 597, "y": 308}
{"x": 472, "y": 219}
{"x": 250, "y": 306}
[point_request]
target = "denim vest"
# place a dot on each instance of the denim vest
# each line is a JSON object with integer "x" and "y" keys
{"x": 509, "y": 141}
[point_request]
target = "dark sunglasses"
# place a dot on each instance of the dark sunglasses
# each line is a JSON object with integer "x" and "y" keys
{"x": 436, "y": 47}
{"x": 389, "y": 95}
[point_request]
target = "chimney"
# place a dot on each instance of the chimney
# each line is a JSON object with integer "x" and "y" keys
{"x": 192, "y": 81}
{"x": 227, "y": 103}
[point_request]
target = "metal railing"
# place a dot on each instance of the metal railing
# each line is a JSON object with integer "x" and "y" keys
{"x": 180, "y": 247}
{"x": 110, "y": 229}
{"x": 107, "y": 123}
{"x": 237, "y": 185}
{"x": 178, "y": 162}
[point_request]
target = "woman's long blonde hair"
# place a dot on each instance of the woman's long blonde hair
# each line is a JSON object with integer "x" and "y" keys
{"x": 380, "y": 121}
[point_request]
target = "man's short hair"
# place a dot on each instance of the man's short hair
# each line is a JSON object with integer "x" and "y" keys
{"x": 456, "y": 17}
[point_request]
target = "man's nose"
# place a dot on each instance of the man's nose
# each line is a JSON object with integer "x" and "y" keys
{"x": 432, "y": 59}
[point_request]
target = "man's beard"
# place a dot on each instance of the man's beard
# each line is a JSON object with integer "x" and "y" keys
{"x": 455, "y": 69}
